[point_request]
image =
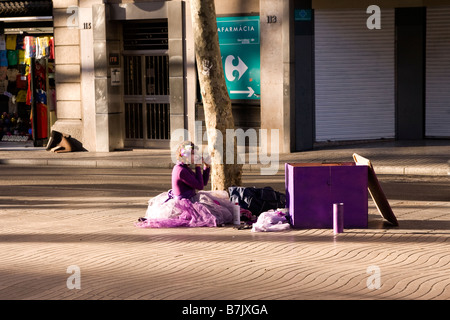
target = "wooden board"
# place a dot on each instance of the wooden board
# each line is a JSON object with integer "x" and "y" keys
{"x": 376, "y": 192}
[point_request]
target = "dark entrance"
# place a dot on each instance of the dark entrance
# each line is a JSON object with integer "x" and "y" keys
{"x": 410, "y": 73}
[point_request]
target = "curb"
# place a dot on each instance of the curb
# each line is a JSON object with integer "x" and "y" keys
{"x": 86, "y": 163}
{"x": 162, "y": 164}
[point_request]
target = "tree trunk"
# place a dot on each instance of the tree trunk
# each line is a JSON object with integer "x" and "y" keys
{"x": 216, "y": 102}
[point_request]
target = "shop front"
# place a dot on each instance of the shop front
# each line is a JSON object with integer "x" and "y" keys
{"x": 27, "y": 85}
{"x": 354, "y": 75}
{"x": 437, "y": 95}
{"x": 371, "y": 71}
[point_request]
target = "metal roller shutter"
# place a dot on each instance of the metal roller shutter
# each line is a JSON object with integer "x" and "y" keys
{"x": 355, "y": 75}
{"x": 437, "y": 110}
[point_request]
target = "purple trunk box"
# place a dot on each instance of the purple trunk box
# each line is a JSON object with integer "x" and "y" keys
{"x": 312, "y": 188}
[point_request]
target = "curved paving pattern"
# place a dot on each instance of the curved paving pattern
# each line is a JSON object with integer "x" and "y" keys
{"x": 119, "y": 261}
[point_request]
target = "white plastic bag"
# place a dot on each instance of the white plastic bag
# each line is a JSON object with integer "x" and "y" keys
{"x": 271, "y": 221}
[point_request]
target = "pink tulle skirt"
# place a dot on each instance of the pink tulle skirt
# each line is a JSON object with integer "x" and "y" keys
{"x": 205, "y": 209}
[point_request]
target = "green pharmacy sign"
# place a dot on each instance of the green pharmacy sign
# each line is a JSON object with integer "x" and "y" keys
{"x": 240, "y": 49}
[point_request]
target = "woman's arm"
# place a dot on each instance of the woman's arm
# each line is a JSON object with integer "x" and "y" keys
{"x": 206, "y": 169}
{"x": 206, "y": 172}
{"x": 193, "y": 180}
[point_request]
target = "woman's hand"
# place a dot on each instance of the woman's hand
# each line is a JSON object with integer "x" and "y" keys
{"x": 197, "y": 160}
{"x": 206, "y": 161}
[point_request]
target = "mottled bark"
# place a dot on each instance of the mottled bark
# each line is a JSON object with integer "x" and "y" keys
{"x": 216, "y": 102}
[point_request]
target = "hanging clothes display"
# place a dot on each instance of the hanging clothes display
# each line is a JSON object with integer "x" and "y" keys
{"x": 11, "y": 41}
{"x": 26, "y": 84}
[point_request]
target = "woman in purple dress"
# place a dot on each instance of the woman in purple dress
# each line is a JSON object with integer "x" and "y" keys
{"x": 185, "y": 205}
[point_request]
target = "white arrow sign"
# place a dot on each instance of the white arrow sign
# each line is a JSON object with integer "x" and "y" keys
{"x": 250, "y": 92}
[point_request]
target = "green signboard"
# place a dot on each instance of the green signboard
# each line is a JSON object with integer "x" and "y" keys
{"x": 240, "y": 49}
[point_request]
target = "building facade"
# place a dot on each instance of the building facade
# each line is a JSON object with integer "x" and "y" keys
{"x": 127, "y": 74}
{"x": 317, "y": 71}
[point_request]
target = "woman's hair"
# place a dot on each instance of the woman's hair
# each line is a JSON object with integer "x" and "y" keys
{"x": 184, "y": 151}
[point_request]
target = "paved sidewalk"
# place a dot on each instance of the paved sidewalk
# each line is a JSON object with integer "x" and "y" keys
{"x": 64, "y": 240}
{"x": 424, "y": 157}
{"x": 52, "y": 239}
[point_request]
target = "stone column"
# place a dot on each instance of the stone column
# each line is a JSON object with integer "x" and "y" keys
{"x": 67, "y": 68}
{"x": 191, "y": 74}
{"x": 276, "y": 70}
{"x": 176, "y": 28}
{"x": 87, "y": 76}
{"x": 108, "y": 112}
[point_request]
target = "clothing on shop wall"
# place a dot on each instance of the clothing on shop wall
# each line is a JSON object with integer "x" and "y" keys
{"x": 12, "y": 56}
{"x": 12, "y": 73}
{"x": 3, "y": 58}
{"x": 41, "y": 96}
{"x": 21, "y": 96}
{"x": 3, "y": 73}
{"x": 16, "y": 53}
{"x": 21, "y": 56}
{"x": 30, "y": 47}
{"x": 19, "y": 43}
{"x": 11, "y": 41}
{"x": 40, "y": 75}
{"x": 3, "y": 86}
{"x": 52, "y": 48}
{"x": 28, "y": 99}
{"x": 19, "y": 49}
{"x": 21, "y": 81}
{"x": 2, "y": 42}
{"x": 42, "y": 47}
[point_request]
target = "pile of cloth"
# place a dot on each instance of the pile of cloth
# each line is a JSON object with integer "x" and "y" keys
{"x": 272, "y": 220}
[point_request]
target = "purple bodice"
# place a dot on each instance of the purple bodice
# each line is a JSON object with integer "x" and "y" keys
{"x": 185, "y": 182}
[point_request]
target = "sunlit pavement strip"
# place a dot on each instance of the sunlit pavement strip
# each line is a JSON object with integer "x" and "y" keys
{"x": 53, "y": 246}
{"x": 427, "y": 157}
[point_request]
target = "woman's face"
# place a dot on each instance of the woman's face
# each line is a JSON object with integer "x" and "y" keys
{"x": 188, "y": 154}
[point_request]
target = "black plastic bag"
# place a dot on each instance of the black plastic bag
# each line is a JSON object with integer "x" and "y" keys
{"x": 257, "y": 200}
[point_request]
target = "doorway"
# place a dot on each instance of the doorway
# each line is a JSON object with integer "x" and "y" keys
{"x": 146, "y": 100}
